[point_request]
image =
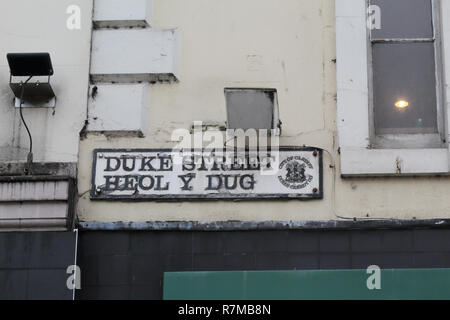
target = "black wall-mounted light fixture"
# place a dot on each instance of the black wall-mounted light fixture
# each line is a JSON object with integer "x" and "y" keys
{"x": 33, "y": 94}
{"x": 30, "y": 64}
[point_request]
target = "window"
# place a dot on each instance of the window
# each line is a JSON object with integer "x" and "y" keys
{"x": 406, "y": 110}
{"x": 252, "y": 108}
{"x": 392, "y": 82}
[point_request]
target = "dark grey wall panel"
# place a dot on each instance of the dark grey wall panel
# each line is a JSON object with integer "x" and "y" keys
{"x": 130, "y": 265}
{"x": 33, "y": 265}
{"x": 13, "y": 284}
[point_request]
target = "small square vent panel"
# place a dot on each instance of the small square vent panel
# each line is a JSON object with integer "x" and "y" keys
{"x": 251, "y": 108}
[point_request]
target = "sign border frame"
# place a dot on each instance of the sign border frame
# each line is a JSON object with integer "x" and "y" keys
{"x": 205, "y": 197}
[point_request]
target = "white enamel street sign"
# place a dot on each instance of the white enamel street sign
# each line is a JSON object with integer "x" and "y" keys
{"x": 165, "y": 175}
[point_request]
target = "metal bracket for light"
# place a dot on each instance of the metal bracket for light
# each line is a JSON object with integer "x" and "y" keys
{"x": 31, "y": 94}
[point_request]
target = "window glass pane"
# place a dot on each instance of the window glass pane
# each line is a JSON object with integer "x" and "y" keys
{"x": 250, "y": 108}
{"x": 404, "y": 88}
{"x": 404, "y": 19}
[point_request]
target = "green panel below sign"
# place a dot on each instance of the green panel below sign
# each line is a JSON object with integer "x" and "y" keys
{"x": 306, "y": 285}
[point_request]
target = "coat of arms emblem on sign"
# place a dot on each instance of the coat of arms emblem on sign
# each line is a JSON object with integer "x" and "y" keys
{"x": 294, "y": 172}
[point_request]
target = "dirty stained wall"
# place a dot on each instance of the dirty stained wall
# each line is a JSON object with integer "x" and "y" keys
{"x": 289, "y": 46}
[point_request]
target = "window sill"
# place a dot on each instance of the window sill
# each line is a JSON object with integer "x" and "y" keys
{"x": 393, "y": 162}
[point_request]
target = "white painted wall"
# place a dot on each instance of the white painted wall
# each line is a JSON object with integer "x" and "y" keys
{"x": 289, "y": 46}
{"x": 131, "y": 55}
{"x": 41, "y": 26}
{"x": 120, "y": 13}
{"x": 232, "y": 43}
{"x": 119, "y": 108}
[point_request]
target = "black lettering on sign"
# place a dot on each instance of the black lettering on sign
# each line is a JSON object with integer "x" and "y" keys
{"x": 112, "y": 164}
{"x": 146, "y": 164}
{"x": 156, "y": 174}
{"x": 248, "y": 182}
{"x": 188, "y": 163}
{"x": 130, "y": 183}
{"x": 159, "y": 182}
{"x": 230, "y": 182}
{"x": 128, "y": 165}
{"x": 146, "y": 183}
{"x": 214, "y": 182}
{"x": 166, "y": 163}
{"x": 112, "y": 183}
{"x": 186, "y": 179}
{"x": 231, "y": 185}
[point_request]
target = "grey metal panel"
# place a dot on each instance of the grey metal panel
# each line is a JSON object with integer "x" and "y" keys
{"x": 250, "y": 108}
{"x": 13, "y": 284}
{"x": 320, "y": 225}
{"x": 130, "y": 264}
{"x": 48, "y": 284}
{"x": 33, "y": 265}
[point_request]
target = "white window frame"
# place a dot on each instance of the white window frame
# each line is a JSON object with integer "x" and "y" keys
{"x": 358, "y": 158}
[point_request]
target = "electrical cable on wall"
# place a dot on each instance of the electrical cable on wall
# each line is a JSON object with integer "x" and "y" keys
{"x": 31, "y": 64}
{"x": 333, "y": 195}
{"x": 30, "y": 153}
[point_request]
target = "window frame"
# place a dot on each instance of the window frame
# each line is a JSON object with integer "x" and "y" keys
{"x": 357, "y": 152}
{"x": 420, "y": 140}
